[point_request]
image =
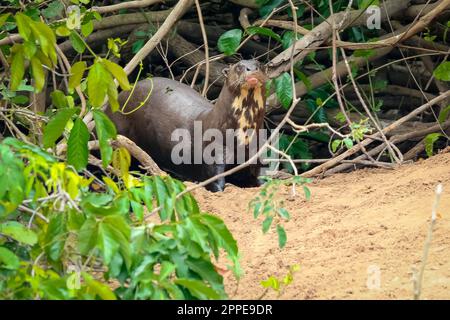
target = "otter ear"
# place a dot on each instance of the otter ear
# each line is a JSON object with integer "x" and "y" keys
{"x": 225, "y": 72}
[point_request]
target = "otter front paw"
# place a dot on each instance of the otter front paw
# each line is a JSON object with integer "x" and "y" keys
{"x": 216, "y": 186}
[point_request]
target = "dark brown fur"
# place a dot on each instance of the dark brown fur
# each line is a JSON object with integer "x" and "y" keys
{"x": 174, "y": 105}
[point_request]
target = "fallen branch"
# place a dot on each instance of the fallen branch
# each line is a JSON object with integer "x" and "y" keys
{"x": 398, "y": 138}
{"x": 98, "y": 37}
{"x": 132, "y": 18}
{"x": 322, "y": 168}
{"x": 139, "y": 154}
{"x": 323, "y": 32}
{"x": 125, "y": 5}
{"x": 180, "y": 8}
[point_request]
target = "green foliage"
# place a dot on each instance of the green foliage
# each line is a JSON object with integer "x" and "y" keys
{"x": 296, "y": 148}
{"x": 76, "y": 74}
{"x": 229, "y": 41}
{"x": 98, "y": 82}
{"x": 77, "y": 145}
{"x": 357, "y": 134}
{"x": 263, "y": 31}
{"x": 279, "y": 285}
{"x": 54, "y": 229}
{"x": 77, "y": 42}
{"x": 267, "y": 6}
{"x": 268, "y": 204}
{"x": 38, "y": 48}
{"x": 105, "y": 132}
{"x": 54, "y": 9}
{"x": 443, "y": 114}
{"x": 288, "y": 39}
{"x": 364, "y": 4}
{"x": 442, "y": 72}
{"x": 55, "y": 127}
{"x": 429, "y": 141}
{"x": 283, "y": 89}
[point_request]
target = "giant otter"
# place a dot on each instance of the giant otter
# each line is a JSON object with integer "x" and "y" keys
{"x": 172, "y": 105}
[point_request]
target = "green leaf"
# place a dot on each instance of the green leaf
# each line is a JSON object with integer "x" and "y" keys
{"x": 271, "y": 282}
{"x": 317, "y": 111}
{"x": 55, "y": 126}
{"x": 121, "y": 232}
{"x": 288, "y": 39}
{"x": 267, "y": 223}
{"x": 198, "y": 289}
{"x": 307, "y": 192}
{"x": 166, "y": 269}
{"x": 59, "y": 99}
{"x": 113, "y": 96}
{"x": 194, "y": 231}
{"x": 55, "y": 237}
{"x": 29, "y": 49}
{"x": 336, "y": 144}
{"x": 18, "y": 232}
{"x": 77, "y": 43}
{"x": 17, "y": 66}
{"x": 284, "y": 213}
{"x": 91, "y": 204}
{"x": 20, "y": 99}
{"x": 118, "y": 73}
{"x": 3, "y": 18}
{"x": 47, "y": 40}
{"x": 53, "y": 10}
{"x": 429, "y": 142}
{"x": 282, "y": 238}
{"x": 97, "y": 288}
{"x": 23, "y": 25}
{"x": 283, "y": 89}
{"x": 348, "y": 143}
{"x": 77, "y": 145}
{"x": 263, "y": 31}
{"x": 257, "y": 209}
{"x": 442, "y": 72}
{"x": 161, "y": 195}
{"x": 229, "y": 41}
{"x": 87, "y": 236}
{"x": 221, "y": 233}
{"x": 304, "y": 78}
{"x": 364, "y": 4}
{"x": 87, "y": 28}
{"x": 266, "y": 9}
{"x": 114, "y": 235}
{"x": 76, "y": 74}
{"x": 105, "y": 131}
{"x": 137, "y": 45}
{"x": 443, "y": 115}
{"x": 98, "y": 79}
{"x": 107, "y": 242}
{"x": 62, "y": 31}
{"x": 8, "y": 259}
{"x": 206, "y": 270}
{"x": 38, "y": 74}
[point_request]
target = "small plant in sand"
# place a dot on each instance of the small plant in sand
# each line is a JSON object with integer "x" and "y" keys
{"x": 279, "y": 285}
{"x": 267, "y": 203}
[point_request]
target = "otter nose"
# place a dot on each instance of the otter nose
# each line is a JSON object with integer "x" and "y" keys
{"x": 252, "y": 81}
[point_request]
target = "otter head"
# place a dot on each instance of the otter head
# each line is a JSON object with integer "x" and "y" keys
{"x": 246, "y": 80}
{"x": 246, "y": 74}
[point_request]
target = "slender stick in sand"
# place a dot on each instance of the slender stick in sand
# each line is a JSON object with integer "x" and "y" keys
{"x": 418, "y": 278}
